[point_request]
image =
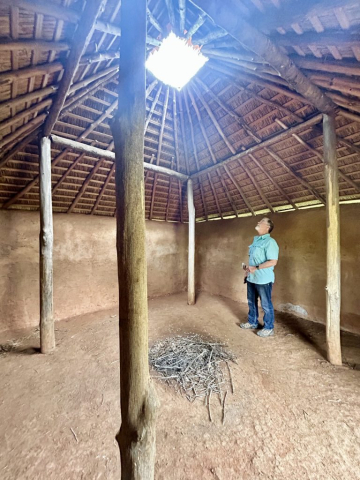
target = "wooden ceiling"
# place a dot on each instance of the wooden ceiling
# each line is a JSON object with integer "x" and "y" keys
{"x": 250, "y": 142}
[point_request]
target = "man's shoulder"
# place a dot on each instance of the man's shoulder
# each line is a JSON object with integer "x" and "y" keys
{"x": 272, "y": 241}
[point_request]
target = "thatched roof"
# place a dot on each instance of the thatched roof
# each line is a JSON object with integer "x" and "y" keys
{"x": 237, "y": 102}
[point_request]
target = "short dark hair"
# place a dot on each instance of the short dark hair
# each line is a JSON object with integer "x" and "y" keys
{"x": 271, "y": 225}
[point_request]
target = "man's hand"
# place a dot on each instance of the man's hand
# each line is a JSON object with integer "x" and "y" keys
{"x": 251, "y": 269}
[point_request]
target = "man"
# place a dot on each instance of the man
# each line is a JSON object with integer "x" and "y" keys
{"x": 263, "y": 256}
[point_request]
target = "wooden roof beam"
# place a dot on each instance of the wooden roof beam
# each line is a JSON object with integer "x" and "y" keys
{"x": 98, "y": 152}
{"x": 62, "y": 13}
{"x": 153, "y": 21}
{"x": 237, "y": 186}
{"x": 319, "y": 155}
{"x": 171, "y": 13}
{"x": 58, "y": 158}
{"x": 294, "y": 12}
{"x": 234, "y": 77}
{"x": 152, "y": 108}
{"x": 206, "y": 138}
{"x": 332, "y": 38}
{"x": 273, "y": 181}
{"x": 161, "y": 135}
{"x": 32, "y": 45}
{"x": 269, "y": 141}
{"x": 255, "y": 137}
{"x": 228, "y": 17}
{"x": 199, "y": 22}
{"x": 195, "y": 155}
{"x": 182, "y": 11}
{"x": 177, "y": 156}
{"x": 103, "y": 188}
{"x": 93, "y": 9}
{"x": 214, "y": 121}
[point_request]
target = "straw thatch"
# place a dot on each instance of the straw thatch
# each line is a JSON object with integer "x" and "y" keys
{"x": 236, "y": 102}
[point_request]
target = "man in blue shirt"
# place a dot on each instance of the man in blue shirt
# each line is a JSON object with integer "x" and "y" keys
{"x": 263, "y": 256}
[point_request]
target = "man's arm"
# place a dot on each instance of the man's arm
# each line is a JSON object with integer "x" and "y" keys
{"x": 267, "y": 264}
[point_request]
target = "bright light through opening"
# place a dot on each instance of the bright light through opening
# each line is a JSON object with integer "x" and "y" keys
{"x": 175, "y": 62}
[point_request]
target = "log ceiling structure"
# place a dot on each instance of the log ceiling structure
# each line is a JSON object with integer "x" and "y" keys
{"x": 250, "y": 142}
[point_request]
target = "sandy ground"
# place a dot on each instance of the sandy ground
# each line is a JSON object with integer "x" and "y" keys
{"x": 292, "y": 415}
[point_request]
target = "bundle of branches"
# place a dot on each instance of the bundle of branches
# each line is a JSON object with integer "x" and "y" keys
{"x": 193, "y": 366}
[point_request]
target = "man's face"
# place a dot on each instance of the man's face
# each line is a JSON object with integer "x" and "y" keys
{"x": 262, "y": 227}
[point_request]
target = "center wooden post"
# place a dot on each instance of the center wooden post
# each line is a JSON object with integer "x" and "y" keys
{"x": 333, "y": 285}
{"x": 191, "y": 253}
{"x": 136, "y": 437}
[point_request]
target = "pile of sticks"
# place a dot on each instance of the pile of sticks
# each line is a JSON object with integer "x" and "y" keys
{"x": 194, "y": 367}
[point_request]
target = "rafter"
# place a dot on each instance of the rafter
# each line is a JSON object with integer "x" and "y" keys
{"x": 252, "y": 94}
{"x": 296, "y": 175}
{"x": 81, "y": 39}
{"x": 214, "y": 121}
{"x": 211, "y": 36}
{"x": 206, "y": 138}
{"x": 18, "y": 147}
{"x": 169, "y": 192}
{"x": 274, "y": 139}
{"x": 87, "y": 180}
{"x": 319, "y": 155}
{"x": 171, "y": 12}
{"x": 152, "y": 108}
{"x": 328, "y": 38}
{"x": 166, "y": 102}
{"x": 291, "y": 13}
{"x": 199, "y": 22}
{"x": 273, "y": 181}
{"x": 182, "y": 12}
{"x": 153, "y": 21}
{"x": 67, "y": 173}
{"x": 231, "y": 201}
{"x": 103, "y": 188}
{"x": 59, "y": 157}
{"x": 177, "y": 156}
{"x": 195, "y": 154}
{"x": 229, "y": 17}
{"x": 31, "y": 45}
{"x": 12, "y": 138}
{"x": 62, "y": 13}
{"x": 272, "y": 153}
{"x": 99, "y": 152}
{"x": 101, "y": 41}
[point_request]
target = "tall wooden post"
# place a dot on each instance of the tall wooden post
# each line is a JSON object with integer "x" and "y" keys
{"x": 47, "y": 332}
{"x": 191, "y": 253}
{"x": 136, "y": 437}
{"x": 333, "y": 287}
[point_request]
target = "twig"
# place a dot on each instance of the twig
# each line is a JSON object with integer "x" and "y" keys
{"x": 230, "y": 376}
{"x": 223, "y": 408}
{"x": 76, "y": 438}
{"x": 210, "y": 418}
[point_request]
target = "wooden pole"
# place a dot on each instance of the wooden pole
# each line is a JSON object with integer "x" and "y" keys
{"x": 47, "y": 331}
{"x": 333, "y": 287}
{"x": 191, "y": 253}
{"x": 136, "y": 437}
{"x": 229, "y": 17}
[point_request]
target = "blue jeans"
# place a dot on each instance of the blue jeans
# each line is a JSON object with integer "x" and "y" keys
{"x": 254, "y": 291}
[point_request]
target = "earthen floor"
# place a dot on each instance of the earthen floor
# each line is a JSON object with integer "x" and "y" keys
{"x": 292, "y": 415}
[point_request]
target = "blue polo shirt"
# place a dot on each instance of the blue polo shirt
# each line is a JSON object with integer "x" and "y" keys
{"x": 262, "y": 249}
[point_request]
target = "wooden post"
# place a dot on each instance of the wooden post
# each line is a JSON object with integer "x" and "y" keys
{"x": 333, "y": 287}
{"x": 47, "y": 332}
{"x": 136, "y": 437}
{"x": 191, "y": 253}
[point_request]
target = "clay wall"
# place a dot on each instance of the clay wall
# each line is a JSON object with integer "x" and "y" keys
{"x": 85, "y": 272}
{"x": 301, "y": 272}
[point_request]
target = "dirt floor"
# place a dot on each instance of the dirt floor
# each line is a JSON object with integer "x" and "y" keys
{"x": 292, "y": 415}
